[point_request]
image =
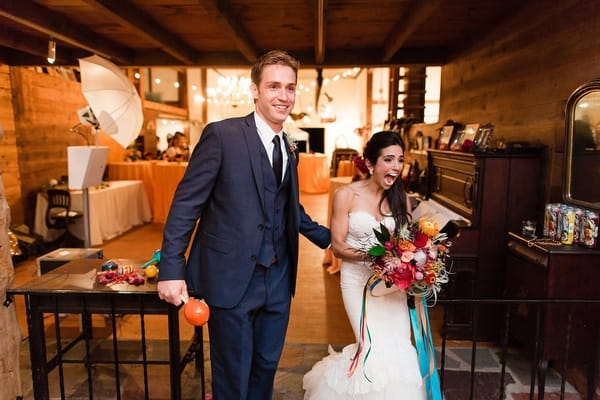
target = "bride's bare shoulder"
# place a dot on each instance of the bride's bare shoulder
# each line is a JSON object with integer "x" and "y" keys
{"x": 349, "y": 191}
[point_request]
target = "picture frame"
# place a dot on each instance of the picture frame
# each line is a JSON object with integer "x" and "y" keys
{"x": 445, "y": 135}
{"x": 457, "y": 139}
{"x": 483, "y": 137}
{"x": 471, "y": 131}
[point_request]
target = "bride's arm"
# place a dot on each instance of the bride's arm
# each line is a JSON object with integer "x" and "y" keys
{"x": 342, "y": 202}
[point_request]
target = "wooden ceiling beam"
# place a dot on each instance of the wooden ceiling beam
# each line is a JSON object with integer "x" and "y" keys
{"x": 416, "y": 15}
{"x": 320, "y": 32}
{"x": 221, "y": 11}
{"x": 60, "y": 28}
{"x": 143, "y": 25}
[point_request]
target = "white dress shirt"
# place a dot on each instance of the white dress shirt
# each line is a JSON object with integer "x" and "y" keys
{"x": 266, "y": 135}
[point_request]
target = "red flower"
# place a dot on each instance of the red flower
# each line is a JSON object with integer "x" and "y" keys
{"x": 420, "y": 239}
{"x": 403, "y": 277}
{"x": 430, "y": 279}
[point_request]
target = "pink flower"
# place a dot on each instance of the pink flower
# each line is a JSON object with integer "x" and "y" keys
{"x": 407, "y": 256}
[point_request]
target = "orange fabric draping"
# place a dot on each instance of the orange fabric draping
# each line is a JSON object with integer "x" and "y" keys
{"x": 137, "y": 171}
{"x": 345, "y": 168}
{"x": 333, "y": 263}
{"x": 313, "y": 173}
{"x": 166, "y": 177}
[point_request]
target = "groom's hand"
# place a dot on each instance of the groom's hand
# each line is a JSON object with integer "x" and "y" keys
{"x": 173, "y": 292}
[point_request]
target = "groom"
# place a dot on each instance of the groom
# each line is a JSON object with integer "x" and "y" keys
{"x": 241, "y": 188}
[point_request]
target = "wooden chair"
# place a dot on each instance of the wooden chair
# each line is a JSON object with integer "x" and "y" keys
{"x": 58, "y": 213}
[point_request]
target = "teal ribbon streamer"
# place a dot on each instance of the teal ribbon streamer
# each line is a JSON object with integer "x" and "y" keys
{"x": 425, "y": 350}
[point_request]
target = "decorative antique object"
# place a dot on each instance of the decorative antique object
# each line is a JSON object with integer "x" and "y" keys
{"x": 582, "y": 150}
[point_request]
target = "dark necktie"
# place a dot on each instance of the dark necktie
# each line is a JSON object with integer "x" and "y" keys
{"x": 277, "y": 159}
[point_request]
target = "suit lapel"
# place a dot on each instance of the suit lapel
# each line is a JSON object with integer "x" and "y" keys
{"x": 254, "y": 150}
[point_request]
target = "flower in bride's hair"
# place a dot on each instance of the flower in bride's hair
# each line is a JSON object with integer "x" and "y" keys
{"x": 360, "y": 164}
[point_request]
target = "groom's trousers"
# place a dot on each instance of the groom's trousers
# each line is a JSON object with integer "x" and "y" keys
{"x": 246, "y": 341}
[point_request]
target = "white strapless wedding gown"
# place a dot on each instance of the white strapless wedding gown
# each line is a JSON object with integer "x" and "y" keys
{"x": 391, "y": 368}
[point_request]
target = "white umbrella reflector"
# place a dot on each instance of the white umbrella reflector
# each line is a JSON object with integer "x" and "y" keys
{"x": 112, "y": 97}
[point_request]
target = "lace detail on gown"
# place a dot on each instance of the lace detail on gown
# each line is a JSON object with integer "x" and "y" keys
{"x": 391, "y": 369}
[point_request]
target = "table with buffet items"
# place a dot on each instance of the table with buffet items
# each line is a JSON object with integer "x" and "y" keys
{"x": 114, "y": 208}
{"x": 73, "y": 288}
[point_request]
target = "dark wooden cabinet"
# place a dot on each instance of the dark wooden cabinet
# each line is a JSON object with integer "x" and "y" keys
{"x": 554, "y": 271}
{"x": 493, "y": 192}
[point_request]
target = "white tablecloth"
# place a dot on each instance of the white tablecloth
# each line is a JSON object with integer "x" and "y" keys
{"x": 113, "y": 210}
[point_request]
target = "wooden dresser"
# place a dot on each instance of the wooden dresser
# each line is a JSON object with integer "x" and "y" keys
{"x": 493, "y": 192}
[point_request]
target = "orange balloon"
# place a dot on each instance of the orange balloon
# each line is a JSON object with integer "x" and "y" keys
{"x": 196, "y": 312}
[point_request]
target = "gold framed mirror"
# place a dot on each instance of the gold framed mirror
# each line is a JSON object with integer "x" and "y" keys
{"x": 582, "y": 153}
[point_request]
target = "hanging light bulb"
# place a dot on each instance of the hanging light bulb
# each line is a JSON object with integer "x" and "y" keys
{"x": 51, "y": 51}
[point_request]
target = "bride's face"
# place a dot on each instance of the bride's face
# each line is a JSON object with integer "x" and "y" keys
{"x": 388, "y": 167}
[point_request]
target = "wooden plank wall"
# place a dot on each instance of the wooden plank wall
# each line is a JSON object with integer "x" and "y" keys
{"x": 521, "y": 74}
{"x": 9, "y": 155}
{"x": 45, "y": 108}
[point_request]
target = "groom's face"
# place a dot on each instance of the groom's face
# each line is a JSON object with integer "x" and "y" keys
{"x": 275, "y": 95}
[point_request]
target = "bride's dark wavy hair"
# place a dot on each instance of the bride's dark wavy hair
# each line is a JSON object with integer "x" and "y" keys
{"x": 396, "y": 195}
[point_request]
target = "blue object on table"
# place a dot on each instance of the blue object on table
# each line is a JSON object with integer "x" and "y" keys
{"x": 155, "y": 259}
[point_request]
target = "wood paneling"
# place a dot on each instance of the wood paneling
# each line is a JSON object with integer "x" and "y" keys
{"x": 520, "y": 75}
{"x": 45, "y": 108}
{"x": 9, "y": 164}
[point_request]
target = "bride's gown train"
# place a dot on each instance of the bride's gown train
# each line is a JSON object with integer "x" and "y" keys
{"x": 388, "y": 367}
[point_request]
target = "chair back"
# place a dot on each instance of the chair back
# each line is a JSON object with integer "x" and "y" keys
{"x": 339, "y": 155}
{"x": 58, "y": 213}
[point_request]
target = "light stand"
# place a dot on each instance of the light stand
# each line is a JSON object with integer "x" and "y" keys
{"x": 86, "y": 168}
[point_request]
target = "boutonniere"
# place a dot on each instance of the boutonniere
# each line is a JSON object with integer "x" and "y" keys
{"x": 292, "y": 145}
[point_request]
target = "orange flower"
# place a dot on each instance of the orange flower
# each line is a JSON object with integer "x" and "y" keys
{"x": 429, "y": 227}
{"x": 406, "y": 245}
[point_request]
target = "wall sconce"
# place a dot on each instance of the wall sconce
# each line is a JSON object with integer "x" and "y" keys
{"x": 51, "y": 51}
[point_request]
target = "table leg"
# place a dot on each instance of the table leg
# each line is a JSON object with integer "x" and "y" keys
{"x": 174, "y": 352}
{"x": 37, "y": 348}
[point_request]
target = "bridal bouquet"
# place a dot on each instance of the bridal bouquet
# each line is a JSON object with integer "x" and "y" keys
{"x": 412, "y": 258}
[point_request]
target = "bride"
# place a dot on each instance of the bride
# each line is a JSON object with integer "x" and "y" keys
{"x": 387, "y": 368}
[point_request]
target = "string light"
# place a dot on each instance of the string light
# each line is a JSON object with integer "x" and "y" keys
{"x": 230, "y": 90}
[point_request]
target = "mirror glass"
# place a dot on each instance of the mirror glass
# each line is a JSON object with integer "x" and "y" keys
{"x": 582, "y": 154}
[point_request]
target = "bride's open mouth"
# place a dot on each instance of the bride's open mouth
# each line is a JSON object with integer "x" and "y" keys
{"x": 389, "y": 179}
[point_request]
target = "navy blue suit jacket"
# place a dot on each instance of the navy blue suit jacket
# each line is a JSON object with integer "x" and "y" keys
{"x": 222, "y": 195}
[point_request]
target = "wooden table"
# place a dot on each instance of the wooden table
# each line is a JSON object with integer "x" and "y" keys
{"x": 114, "y": 209}
{"x": 72, "y": 288}
{"x": 313, "y": 173}
{"x": 554, "y": 271}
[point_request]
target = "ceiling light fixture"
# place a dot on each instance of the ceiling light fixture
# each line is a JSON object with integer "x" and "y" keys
{"x": 51, "y": 51}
